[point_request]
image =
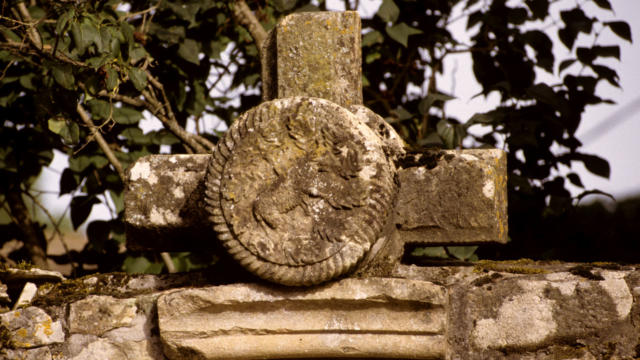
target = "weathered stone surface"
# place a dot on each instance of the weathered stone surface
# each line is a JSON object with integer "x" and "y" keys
{"x": 28, "y": 293}
{"x": 90, "y": 347}
{"x": 42, "y": 353}
{"x": 545, "y": 316}
{"x": 427, "y": 178}
{"x": 373, "y": 317}
{"x": 488, "y": 310}
{"x": 96, "y": 315}
{"x": 31, "y": 327}
{"x": 453, "y": 197}
{"x": 34, "y": 275}
{"x": 4, "y": 296}
{"x": 299, "y": 189}
{"x": 165, "y": 204}
{"x": 328, "y": 67}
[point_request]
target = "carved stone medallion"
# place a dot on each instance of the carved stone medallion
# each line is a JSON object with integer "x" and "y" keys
{"x": 299, "y": 189}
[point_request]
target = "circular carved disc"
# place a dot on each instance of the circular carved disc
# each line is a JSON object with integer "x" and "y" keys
{"x": 298, "y": 190}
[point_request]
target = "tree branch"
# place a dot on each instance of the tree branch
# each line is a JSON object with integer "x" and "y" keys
{"x": 34, "y": 36}
{"x": 101, "y": 141}
{"x": 244, "y": 16}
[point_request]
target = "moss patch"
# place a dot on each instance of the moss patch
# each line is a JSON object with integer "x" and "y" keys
{"x": 521, "y": 266}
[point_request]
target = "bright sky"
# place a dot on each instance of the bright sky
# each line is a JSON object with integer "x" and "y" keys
{"x": 607, "y": 131}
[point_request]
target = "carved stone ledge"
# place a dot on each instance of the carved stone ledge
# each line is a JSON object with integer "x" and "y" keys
{"x": 364, "y": 318}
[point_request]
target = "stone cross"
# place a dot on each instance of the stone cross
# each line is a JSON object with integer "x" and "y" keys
{"x": 311, "y": 185}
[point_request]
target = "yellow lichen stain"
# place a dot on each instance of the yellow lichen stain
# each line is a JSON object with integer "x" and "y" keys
{"x": 17, "y": 314}
{"x": 46, "y": 325}
{"x": 22, "y": 332}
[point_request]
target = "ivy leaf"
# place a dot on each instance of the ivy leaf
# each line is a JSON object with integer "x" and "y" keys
{"x": 595, "y": 164}
{"x": 81, "y": 208}
{"x": 85, "y": 34}
{"x": 539, "y": 8}
{"x": 431, "y": 98}
{"x": 126, "y": 115}
{"x": 284, "y": 5}
{"x": 568, "y": 37}
{"x": 112, "y": 79}
{"x": 605, "y": 4}
{"x": 63, "y": 21}
{"x": 565, "y": 64}
{"x": 63, "y": 74}
{"x": 575, "y": 179}
{"x": 401, "y": 32}
{"x": 56, "y": 125}
{"x": 543, "y": 93}
{"x": 388, "y": 11}
{"x": 100, "y": 109}
{"x": 189, "y": 50}
{"x": 606, "y": 73}
{"x": 138, "y": 78}
{"x": 620, "y": 28}
{"x": 372, "y": 37}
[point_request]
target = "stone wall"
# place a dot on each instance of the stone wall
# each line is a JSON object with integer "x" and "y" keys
{"x": 491, "y": 310}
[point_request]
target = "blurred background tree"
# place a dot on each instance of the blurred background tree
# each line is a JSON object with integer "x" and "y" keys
{"x": 105, "y": 82}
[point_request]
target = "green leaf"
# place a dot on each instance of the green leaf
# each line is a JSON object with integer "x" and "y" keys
{"x": 388, "y": 11}
{"x": 138, "y": 78}
{"x": 606, "y": 73}
{"x": 568, "y": 37}
{"x": 447, "y": 134}
{"x": 543, "y": 93}
{"x": 68, "y": 181}
{"x": 56, "y": 125}
{"x": 189, "y": 50}
{"x": 595, "y": 164}
{"x": 432, "y": 252}
{"x": 10, "y": 35}
{"x": 605, "y": 4}
{"x": 112, "y": 79}
{"x": 428, "y": 101}
{"x": 401, "y": 32}
{"x": 283, "y": 5}
{"x": 81, "y": 208}
{"x": 137, "y": 53}
{"x": 575, "y": 179}
{"x": 63, "y": 74}
{"x": 63, "y": 21}
{"x": 372, "y": 37}
{"x": 577, "y": 20}
{"x": 118, "y": 200}
{"x": 126, "y": 115}
{"x": 620, "y": 28}
{"x": 371, "y": 57}
{"x": 539, "y": 8}
{"x": 462, "y": 252}
{"x": 136, "y": 136}
{"x": 140, "y": 265}
{"x": 85, "y": 34}
{"x": 100, "y": 109}
{"x": 565, "y": 64}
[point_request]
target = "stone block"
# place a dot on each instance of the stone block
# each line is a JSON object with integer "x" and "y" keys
{"x": 165, "y": 207}
{"x": 97, "y": 314}
{"x": 375, "y": 317}
{"x": 445, "y": 197}
{"x": 453, "y": 197}
{"x": 328, "y": 67}
{"x": 31, "y": 327}
{"x": 554, "y": 315}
